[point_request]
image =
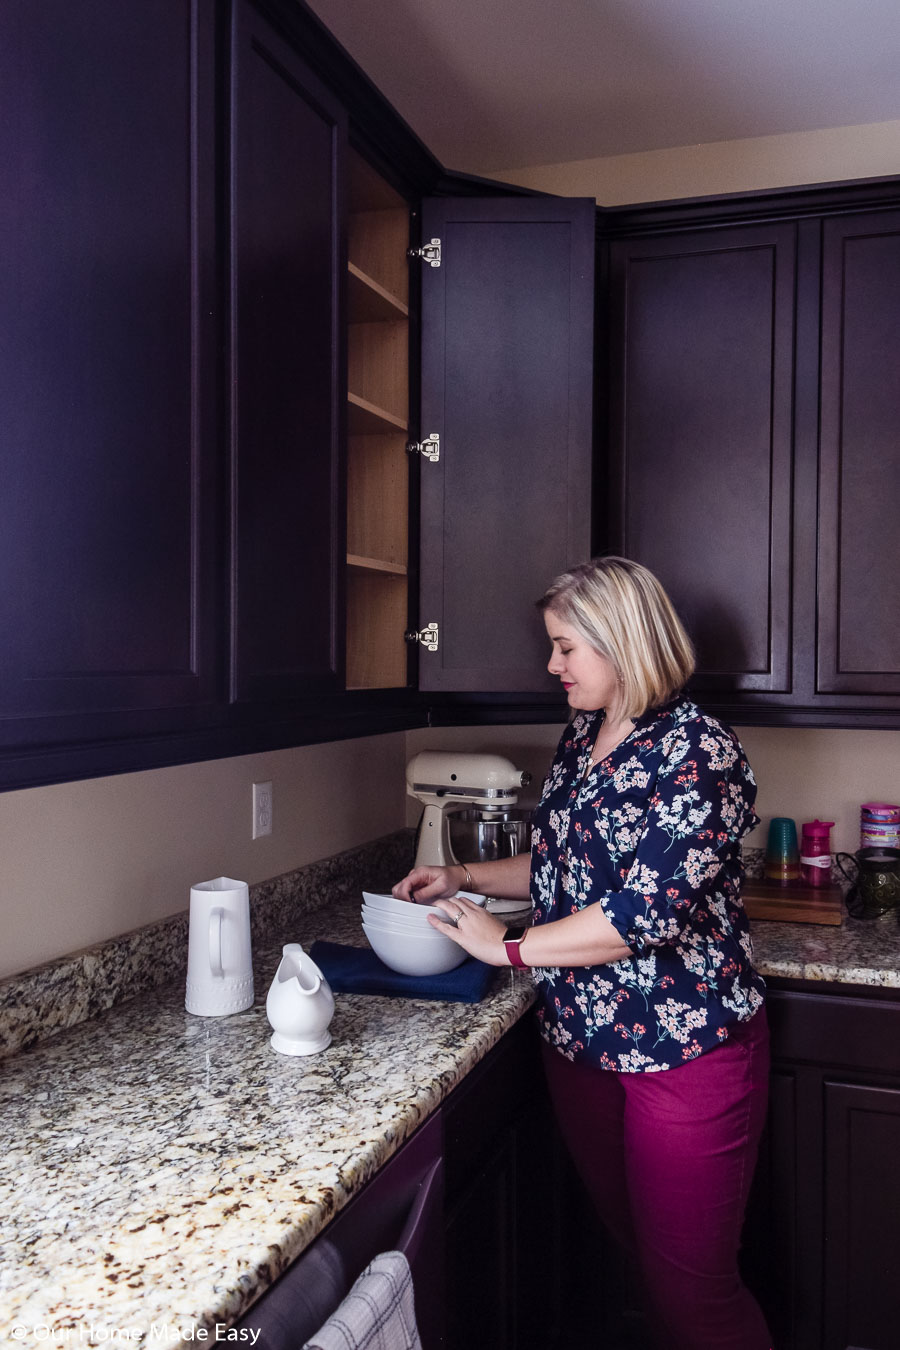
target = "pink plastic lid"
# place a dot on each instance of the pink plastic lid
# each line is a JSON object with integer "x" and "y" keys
{"x": 817, "y": 829}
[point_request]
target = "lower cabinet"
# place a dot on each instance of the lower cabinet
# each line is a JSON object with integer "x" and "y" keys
{"x": 861, "y": 1301}
{"x": 506, "y": 1189}
{"x": 822, "y": 1242}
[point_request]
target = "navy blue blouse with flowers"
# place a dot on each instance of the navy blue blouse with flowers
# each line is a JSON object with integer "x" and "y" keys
{"x": 652, "y": 834}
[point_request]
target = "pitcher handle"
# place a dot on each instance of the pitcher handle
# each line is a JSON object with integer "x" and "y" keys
{"x": 837, "y": 859}
{"x": 216, "y": 919}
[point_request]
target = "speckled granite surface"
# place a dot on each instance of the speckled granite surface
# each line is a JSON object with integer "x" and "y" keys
{"x": 62, "y": 993}
{"x": 857, "y": 953}
{"x": 157, "y": 1170}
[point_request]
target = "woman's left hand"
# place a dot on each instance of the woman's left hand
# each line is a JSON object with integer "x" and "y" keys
{"x": 479, "y": 933}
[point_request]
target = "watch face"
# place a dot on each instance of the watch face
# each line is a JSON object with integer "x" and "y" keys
{"x": 515, "y": 933}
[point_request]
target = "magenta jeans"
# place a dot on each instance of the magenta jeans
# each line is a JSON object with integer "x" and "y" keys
{"x": 667, "y": 1159}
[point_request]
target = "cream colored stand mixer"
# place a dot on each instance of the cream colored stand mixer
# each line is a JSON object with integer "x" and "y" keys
{"x": 444, "y": 782}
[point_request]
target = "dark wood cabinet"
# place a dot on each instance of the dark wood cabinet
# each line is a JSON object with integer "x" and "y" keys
{"x": 173, "y": 375}
{"x": 514, "y": 1279}
{"x": 753, "y": 465}
{"x": 495, "y": 1198}
{"x": 861, "y": 1304}
{"x": 507, "y": 361}
{"x": 701, "y": 405}
{"x": 858, "y": 574}
{"x": 181, "y": 401}
{"x": 288, "y": 146}
{"x": 108, "y": 539}
{"x": 822, "y": 1243}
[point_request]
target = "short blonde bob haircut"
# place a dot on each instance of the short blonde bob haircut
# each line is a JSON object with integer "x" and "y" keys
{"x": 622, "y": 611}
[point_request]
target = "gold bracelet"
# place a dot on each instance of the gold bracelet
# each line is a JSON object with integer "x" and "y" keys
{"x": 470, "y": 884}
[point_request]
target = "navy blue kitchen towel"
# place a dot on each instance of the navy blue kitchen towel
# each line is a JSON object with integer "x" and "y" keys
{"x": 357, "y": 970}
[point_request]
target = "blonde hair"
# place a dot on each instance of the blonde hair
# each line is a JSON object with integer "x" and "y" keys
{"x": 622, "y": 611}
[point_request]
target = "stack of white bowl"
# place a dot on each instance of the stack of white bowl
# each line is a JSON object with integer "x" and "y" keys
{"x": 400, "y": 934}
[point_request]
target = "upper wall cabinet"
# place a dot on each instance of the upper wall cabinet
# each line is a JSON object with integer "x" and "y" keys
{"x": 288, "y": 158}
{"x": 754, "y": 462}
{"x": 107, "y": 341}
{"x": 506, "y": 410}
{"x": 859, "y": 460}
{"x": 701, "y": 425}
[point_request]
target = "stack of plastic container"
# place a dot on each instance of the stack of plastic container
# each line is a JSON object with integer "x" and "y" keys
{"x": 879, "y": 825}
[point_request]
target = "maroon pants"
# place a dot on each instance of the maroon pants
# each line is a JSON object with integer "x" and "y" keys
{"x": 667, "y": 1159}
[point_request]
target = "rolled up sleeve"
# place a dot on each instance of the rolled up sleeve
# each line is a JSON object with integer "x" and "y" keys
{"x": 700, "y": 806}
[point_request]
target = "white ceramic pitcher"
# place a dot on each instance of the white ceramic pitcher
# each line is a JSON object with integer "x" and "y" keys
{"x": 220, "y": 968}
{"x": 299, "y": 1004}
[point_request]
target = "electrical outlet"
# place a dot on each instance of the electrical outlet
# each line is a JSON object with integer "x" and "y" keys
{"x": 262, "y": 809}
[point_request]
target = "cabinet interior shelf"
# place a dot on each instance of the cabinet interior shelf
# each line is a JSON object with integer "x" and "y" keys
{"x": 369, "y": 301}
{"x": 375, "y": 565}
{"x": 368, "y": 419}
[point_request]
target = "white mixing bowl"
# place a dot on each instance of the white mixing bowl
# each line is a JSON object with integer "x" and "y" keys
{"x": 414, "y": 953}
{"x": 408, "y": 930}
{"x": 391, "y": 905}
{"x": 400, "y": 924}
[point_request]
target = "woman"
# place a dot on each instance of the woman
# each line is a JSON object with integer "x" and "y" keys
{"x": 651, "y": 1015}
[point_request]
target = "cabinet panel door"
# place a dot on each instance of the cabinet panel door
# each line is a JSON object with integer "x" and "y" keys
{"x": 507, "y": 352}
{"x": 859, "y": 464}
{"x": 288, "y": 139}
{"x": 862, "y": 1204}
{"x": 107, "y": 333}
{"x": 701, "y": 408}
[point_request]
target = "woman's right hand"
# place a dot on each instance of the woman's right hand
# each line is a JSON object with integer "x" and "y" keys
{"x": 423, "y": 885}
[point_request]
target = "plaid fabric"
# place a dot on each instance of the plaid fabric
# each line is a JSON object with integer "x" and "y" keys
{"x": 377, "y": 1314}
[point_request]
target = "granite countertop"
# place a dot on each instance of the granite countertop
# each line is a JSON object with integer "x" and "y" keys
{"x": 158, "y": 1170}
{"x": 857, "y": 952}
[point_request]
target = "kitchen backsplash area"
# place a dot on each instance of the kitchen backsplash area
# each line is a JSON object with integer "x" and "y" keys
{"x": 75, "y": 988}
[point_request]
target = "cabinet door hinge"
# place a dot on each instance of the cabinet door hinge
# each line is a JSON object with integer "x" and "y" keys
{"x": 427, "y": 636}
{"x": 430, "y": 253}
{"x": 430, "y": 448}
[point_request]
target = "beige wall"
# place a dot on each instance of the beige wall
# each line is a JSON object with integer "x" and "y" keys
{"x": 803, "y": 774}
{"x": 82, "y": 862}
{"x": 832, "y": 155}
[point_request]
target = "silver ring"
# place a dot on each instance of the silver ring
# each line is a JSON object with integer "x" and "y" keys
{"x": 459, "y": 915}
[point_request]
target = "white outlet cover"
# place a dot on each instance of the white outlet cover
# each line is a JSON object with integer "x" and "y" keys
{"x": 262, "y": 809}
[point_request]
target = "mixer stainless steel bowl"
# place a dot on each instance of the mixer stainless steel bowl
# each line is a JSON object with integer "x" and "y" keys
{"x": 484, "y": 836}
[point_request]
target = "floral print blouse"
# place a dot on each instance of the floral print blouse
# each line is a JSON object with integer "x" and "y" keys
{"x": 652, "y": 834}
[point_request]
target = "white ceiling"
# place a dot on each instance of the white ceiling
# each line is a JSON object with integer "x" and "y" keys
{"x": 505, "y": 84}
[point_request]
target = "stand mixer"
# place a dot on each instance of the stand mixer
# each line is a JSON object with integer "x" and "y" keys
{"x": 445, "y": 781}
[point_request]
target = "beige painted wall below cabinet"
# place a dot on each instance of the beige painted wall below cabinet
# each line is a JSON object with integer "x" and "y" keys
{"x": 84, "y": 862}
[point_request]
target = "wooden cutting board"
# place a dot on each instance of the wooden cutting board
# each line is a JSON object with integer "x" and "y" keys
{"x": 794, "y": 904}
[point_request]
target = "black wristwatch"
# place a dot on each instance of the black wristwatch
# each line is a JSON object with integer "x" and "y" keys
{"x": 512, "y": 941}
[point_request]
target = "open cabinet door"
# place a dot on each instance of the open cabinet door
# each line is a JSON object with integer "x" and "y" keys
{"x": 507, "y": 376}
